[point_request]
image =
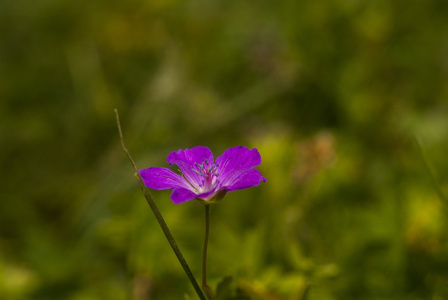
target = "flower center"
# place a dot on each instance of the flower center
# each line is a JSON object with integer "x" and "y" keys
{"x": 206, "y": 170}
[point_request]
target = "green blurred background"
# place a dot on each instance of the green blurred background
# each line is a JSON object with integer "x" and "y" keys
{"x": 332, "y": 93}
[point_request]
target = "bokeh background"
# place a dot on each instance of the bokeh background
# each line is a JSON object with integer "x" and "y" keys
{"x": 347, "y": 102}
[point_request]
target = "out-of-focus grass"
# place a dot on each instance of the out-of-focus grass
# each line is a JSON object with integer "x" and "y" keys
{"x": 331, "y": 93}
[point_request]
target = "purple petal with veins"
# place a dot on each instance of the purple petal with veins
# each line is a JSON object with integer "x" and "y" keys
{"x": 203, "y": 178}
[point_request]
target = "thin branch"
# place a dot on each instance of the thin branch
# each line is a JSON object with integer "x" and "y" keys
{"x": 159, "y": 216}
{"x": 205, "y": 287}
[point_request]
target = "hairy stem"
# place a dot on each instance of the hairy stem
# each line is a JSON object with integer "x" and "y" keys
{"x": 159, "y": 216}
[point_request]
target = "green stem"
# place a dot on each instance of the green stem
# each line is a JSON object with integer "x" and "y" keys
{"x": 205, "y": 287}
{"x": 204, "y": 252}
{"x": 159, "y": 216}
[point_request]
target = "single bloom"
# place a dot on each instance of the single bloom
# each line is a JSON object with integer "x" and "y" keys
{"x": 202, "y": 177}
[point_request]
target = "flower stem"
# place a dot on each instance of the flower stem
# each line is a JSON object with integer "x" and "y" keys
{"x": 159, "y": 216}
{"x": 205, "y": 287}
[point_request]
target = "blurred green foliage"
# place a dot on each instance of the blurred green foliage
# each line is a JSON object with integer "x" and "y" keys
{"x": 331, "y": 92}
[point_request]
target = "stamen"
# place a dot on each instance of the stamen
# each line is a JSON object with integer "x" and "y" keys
{"x": 199, "y": 173}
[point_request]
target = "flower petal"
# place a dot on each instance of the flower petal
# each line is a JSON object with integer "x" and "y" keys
{"x": 236, "y": 161}
{"x": 162, "y": 179}
{"x": 187, "y": 159}
{"x": 245, "y": 180}
{"x": 208, "y": 195}
{"x": 181, "y": 195}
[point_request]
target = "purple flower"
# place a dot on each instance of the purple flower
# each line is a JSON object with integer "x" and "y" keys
{"x": 202, "y": 177}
